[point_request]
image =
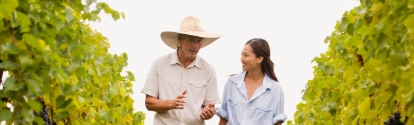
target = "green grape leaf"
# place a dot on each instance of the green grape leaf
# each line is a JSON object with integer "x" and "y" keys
{"x": 34, "y": 105}
{"x": 5, "y": 114}
{"x": 39, "y": 120}
{"x": 8, "y": 65}
{"x": 33, "y": 42}
{"x": 24, "y": 21}
{"x": 62, "y": 103}
{"x": 69, "y": 15}
{"x": 10, "y": 84}
{"x": 409, "y": 21}
{"x": 33, "y": 86}
{"x": 7, "y": 7}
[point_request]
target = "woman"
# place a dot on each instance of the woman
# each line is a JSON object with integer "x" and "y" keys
{"x": 254, "y": 96}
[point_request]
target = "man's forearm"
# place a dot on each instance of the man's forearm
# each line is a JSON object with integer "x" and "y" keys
{"x": 157, "y": 105}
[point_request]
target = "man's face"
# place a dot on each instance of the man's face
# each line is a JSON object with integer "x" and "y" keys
{"x": 190, "y": 45}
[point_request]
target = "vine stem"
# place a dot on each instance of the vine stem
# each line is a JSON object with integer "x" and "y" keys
{"x": 1, "y": 73}
{"x": 1, "y": 81}
{"x": 1, "y": 76}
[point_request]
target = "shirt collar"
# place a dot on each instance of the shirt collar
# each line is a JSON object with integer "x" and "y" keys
{"x": 174, "y": 60}
{"x": 239, "y": 80}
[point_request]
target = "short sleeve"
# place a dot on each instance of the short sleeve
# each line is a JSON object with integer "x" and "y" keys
{"x": 212, "y": 96}
{"x": 151, "y": 84}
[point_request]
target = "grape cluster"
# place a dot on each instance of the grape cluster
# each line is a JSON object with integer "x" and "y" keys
{"x": 395, "y": 120}
{"x": 43, "y": 114}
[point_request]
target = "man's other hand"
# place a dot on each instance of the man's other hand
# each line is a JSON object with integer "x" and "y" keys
{"x": 208, "y": 112}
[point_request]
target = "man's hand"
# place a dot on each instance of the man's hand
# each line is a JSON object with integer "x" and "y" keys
{"x": 161, "y": 106}
{"x": 179, "y": 102}
{"x": 208, "y": 112}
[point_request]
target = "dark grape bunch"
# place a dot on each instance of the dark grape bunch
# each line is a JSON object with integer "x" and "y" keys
{"x": 395, "y": 120}
{"x": 43, "y": 114}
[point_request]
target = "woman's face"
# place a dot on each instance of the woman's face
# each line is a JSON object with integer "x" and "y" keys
{"x": 249, "y": 59}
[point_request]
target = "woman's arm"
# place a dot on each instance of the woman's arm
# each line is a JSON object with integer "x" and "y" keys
{"x": 222, "y": 112}
{"x": 279, "y": 123}
{"x": 279, "y": 117}
{"x": 222, "y": 121}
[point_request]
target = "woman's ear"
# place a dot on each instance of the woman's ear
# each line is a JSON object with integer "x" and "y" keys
{"x": 260, "y": 59}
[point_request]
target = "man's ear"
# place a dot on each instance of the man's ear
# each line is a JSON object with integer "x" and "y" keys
{"x": 178, "y": 44}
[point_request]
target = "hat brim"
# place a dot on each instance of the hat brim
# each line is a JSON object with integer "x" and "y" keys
{"x": 170, "y": 38}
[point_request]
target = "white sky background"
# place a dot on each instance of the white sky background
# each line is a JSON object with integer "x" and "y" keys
{"x": 295, "y": 31}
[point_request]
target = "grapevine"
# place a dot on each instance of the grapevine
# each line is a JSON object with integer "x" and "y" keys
{"x": 59, "y": 69}
{"x": 366, "y": 74}
{"x": 44, "y": 115}
{"x": 395, "y": 120}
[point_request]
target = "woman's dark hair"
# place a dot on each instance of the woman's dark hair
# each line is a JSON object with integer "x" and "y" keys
{"x": 261, "y": 49}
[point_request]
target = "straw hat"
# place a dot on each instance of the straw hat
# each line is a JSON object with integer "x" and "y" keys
{"x": 189, "y": 26}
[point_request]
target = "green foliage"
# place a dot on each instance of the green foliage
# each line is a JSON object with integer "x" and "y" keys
{"x": 53, "y": 56}
{"x": 366, "y": 74}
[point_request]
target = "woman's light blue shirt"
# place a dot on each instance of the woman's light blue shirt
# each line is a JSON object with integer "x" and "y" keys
{"x": 264, "y": 108}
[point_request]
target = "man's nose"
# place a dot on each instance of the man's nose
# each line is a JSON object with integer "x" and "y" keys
{"x": 195, "y": 44}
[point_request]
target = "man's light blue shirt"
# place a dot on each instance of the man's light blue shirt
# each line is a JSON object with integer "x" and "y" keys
{"x": 264, "y": 108}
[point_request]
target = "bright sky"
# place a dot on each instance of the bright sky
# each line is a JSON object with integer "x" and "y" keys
{"x": 295, "y": 29}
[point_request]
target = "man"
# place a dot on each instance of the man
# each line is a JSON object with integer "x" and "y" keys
{"x": 181, "y": 87}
